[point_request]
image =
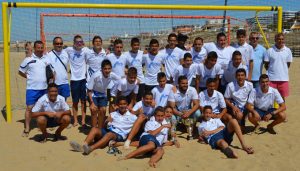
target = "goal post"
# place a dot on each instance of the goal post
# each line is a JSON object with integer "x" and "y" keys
{"x": 5, "y": 25}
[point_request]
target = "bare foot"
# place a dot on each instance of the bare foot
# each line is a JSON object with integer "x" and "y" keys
{"x": 121, "y": 158}
{"x": 229, "y": 153}
{"x": 152, "y": 164}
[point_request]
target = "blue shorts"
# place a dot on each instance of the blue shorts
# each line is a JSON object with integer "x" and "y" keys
{"x": 223, "y": 134}
{"x": 100, "y": 101}
{"x": 119, "y": 137}
{"x": 32, "y": 96}
{"x": 147, "y": 138}
{"x": 78, "y": 90}
{"x": 264, "y": 113}
{"x": 64, "y": 90}
{"x": 243, "y": 110}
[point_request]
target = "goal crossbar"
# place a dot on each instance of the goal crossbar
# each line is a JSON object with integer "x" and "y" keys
{"x": 6, "y": 38}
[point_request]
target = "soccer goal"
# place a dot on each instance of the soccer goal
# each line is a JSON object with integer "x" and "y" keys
{"x": 120, "y": 20}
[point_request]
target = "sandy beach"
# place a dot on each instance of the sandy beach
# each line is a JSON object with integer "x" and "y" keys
{"x": 272, "y": 152}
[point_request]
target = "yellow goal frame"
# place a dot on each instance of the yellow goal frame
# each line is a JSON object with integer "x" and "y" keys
{"x": 6, "y": 28}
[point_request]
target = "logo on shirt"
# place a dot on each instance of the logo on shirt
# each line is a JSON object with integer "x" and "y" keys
{"x": 76, "y": 55}
{"x": 118, "y": 64}
{"x": 153, "y": 64}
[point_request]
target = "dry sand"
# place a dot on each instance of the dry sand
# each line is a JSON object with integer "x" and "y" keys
{"x": 272, "y": 152}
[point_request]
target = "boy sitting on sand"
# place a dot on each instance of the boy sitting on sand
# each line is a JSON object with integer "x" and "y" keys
{"x": 218, "y": 136}
{"x": 121, "y": 122}
{"x": 151, "y": 141}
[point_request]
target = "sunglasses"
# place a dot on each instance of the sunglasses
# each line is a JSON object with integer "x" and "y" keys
{"x": 58, "y": 43}
{"x": 79, "y": 42}
{"x": 255, "y": 38}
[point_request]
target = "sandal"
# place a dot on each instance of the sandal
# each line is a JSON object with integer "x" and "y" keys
{"x": 25, "y": 133}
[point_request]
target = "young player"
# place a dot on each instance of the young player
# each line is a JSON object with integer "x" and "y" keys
{"x": 118, "y": 59}
{"x": 97, "y": 92}
{"x": 77, "y": 58}
{"x": 52, "y": 110}
{"x": 151, "y": 141}
{"x": 34, "y": 70}
{"x": 153, "y": 63}
{"x": 220, "y": 137}
{"x": 171, "y": 119}
{"x": 120, "y": 124}
{"x": 199, "y": 54}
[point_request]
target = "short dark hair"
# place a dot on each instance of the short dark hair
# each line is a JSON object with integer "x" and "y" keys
{"x": 263, "y": 76}
{"x": 172, "y": 35}
{"x": 278, "y": 35}
{"x": 51, "y": 85}
{"x": 187, "y": 55}
{"x": 134, "y": 40}
{"x": 182, "y": 77}
{"x": 198, "y": 38}
{"x": 161, "y": 75}
{"x": 240, "y": 32}
{"x": 236, "y": 53}
{"x": 210, "y": 80}
{"x": 207, "y": 107}
{"x": 158, "y": 109}
{"x": 57, "y": 37}
{"x": 96, "y": 37}
{"x": 182, "y": 37}
{"x": 132, "y": 71}
{"x": 118, "y": 41}
{"x": 168, "y": 107}
{"x": 121, "y": 98}
{"x": 212, "y": 55}
{"x": 148, "y": 93}
{"x": 240, "y": 70}
{"x": 153, "y": 41}
{"x": 76, "y": 37}
{"x": 105, "y": 62}
{"x": 221, "y": 34}
{"x": 38, "y": 42}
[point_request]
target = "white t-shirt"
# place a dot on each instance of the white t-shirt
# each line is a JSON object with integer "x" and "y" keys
{"x": 153, "y": 67}
{"x": 171, "y": 60}
{"x": 147, "y": 110}
{"x": 206, "y": 73}
{"x": 229, "y": 73}
{"x": 216, "y": 101}
{"x": 152, "y": 125}
{"x": 190, "y": 73}
{"x": 118, "y": 64}
{"x": 246, "y": 51}
{"x": 264, "y": 101}
{"x": 94, "y": 61}
{"x": 198, "y": 57}
{"x": 161, "y": 95}
{"x": 77, "y": 62}
{"x": 98, "y": 83}
{"x": 122, "y": 124}
{"x": 224, "y": 54}
{"x": 183, "y": 101}
{"x": 238, "y": 94}
{"x": 278, "y": 58}
{"x": 35, "y": 69}
{"x": 45, "y": 105}
{"x": 124, "y": 87}
{"x": 136, "y": 60}
{"x": 61, "y": 76}
{"x": 210, "y": 125}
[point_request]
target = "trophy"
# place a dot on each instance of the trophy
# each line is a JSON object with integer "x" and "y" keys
{"x": 189, "y": 124}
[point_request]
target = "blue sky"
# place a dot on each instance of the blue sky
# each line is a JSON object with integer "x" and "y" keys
{"x": 25, "y": 22}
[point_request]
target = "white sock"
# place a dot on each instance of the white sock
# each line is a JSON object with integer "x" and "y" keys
{"x": 127, "y": 143}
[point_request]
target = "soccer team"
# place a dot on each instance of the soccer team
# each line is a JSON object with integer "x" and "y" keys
{"x": 149, "y": 94}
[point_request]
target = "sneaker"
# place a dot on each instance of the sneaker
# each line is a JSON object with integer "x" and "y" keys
{"x": 127, "y": 144}
{"x": 76, "y": 146}
{"x": 86, "y": 149}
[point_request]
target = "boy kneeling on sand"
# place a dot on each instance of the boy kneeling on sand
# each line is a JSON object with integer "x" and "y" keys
{"x": 214, "y": 132}
{"x": 120, "y": 124}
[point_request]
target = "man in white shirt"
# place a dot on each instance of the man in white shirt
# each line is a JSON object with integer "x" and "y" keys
{"x": 199, "y": 54}
{"x": 162, "y": 91}
{"x": 51, "y": 110}
{"x": 120, "y": 123}
{"x": 118, "y": 59}
{"x": 134, "y": 58}
{"x": 172, "y": 56}
{"x": 187, "y": 69}
{"x": 246, "y": 51}
{"x": 34, "y": 70}
{"x": 277, "y": 62}
{"x": 153, "y": 64}
{"x": 97, "y": 92}
{"x": 211, "y": 97}
{"x": 95, "y": 57}
{"x": 77, "y": 58}
{"x": 59, "y": 59}
{"x": 221, "y": 48}
{"x": 236, "y": 96}
{"x": 260, "y": 105}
